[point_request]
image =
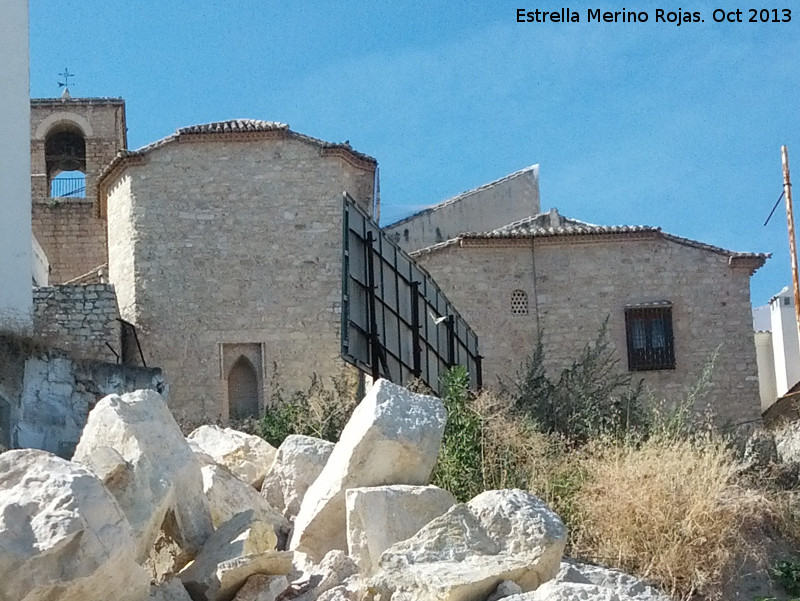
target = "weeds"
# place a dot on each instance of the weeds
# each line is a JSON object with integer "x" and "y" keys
{"x": 642, "y": 487}
{"x": 665, "y": 510}
{"x": 319, "y": 411}
{"x": 592, "y": 397}
{"x": 459, "y": 467}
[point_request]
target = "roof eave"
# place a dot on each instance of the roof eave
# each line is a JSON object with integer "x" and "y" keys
{"x": 124, "y": 158}
{"x": 751, "y": 261}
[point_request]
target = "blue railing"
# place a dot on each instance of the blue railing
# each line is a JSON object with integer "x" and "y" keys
{"x": 68, "y": 187}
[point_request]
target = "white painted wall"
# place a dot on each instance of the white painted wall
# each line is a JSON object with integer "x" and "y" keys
{"x": 785, "y": 346}
{"x": 767, "y": 389}
{"x": 41, "y": 266}
{"x": 15, "y": 176}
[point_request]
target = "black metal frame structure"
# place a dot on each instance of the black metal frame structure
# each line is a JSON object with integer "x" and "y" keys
{"x": 396, "y": 322}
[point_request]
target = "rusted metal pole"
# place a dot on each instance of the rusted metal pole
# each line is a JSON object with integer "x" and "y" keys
{"x": 787, "y": 192}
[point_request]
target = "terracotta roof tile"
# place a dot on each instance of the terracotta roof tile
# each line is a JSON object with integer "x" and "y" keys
{"x": 552, "y": 225}
{"x": 233, "y": 126}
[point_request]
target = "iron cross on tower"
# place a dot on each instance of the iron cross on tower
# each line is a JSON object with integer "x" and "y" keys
{"x": 65, "y": 76}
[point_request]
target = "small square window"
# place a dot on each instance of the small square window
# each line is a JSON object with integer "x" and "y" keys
{"x": 650, "y": 342}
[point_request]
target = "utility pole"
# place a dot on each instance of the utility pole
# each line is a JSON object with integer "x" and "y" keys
{"x": 787, "y": 192}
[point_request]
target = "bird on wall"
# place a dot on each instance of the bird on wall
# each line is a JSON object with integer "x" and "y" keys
{"x": 437, "y": 320}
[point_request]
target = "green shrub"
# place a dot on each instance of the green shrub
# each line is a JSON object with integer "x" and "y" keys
{"x": 787, "y": 572}
{"x": 459, "y": 467}
{"x": 592, "y": 397}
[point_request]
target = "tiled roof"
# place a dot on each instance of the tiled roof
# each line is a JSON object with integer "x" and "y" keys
{"x": 231, "y": 127}
{"x": 552, "y": 225}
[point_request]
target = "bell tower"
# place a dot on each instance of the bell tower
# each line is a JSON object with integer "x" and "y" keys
{"x": 72, "y": 141}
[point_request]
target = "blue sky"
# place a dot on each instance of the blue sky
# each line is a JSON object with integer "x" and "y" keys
{"x": 632, "y": 123}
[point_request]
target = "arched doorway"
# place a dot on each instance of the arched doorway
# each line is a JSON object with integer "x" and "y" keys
{"x": 242, "y": 389}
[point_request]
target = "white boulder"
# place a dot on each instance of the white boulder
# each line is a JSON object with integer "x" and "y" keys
{"x": 333, "y": 570}
{"x": 393, "y": 437}
{"x": 229, "y": 496}
{"x": 787, "y": 442}
{"x": 136, "y": 446}
{"x": 380, "y": 516}
{"x": 62, "y": 534}
{"x": 505, "y": 589}
{"x": 247, "y": 456}
{"x": 260, "y": 587}
{"x": 466, "y": 553}
{"x": 169, "y": 590}
{"x": 576, "y": 580}
{"x": 297, "y": 464}
{"x": 238, "y": 549}
{"x": 343, "y": 593}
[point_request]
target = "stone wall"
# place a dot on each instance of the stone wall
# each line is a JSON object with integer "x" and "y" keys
{"x": 79, "y": 318}
{"x": 493, "y": 205}
{"x": 573, "y": 285}
{"x": 72, "y": 236}
{"x": 58, "y": 393}
{"x": 232, "y": 241}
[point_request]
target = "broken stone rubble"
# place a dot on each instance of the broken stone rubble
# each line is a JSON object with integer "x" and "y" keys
{"x": 297, "y": 464}
{"x": 375, "y": 529}
{"x": 161, "y": 474}
{"x": 63, "y": 536}
{"x": 393, "y": 437}
{"x": 247, "y": 456}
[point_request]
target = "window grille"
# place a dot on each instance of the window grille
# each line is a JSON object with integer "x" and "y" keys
{"x": 651, "y": 345}
{"x": 519, "y": 302}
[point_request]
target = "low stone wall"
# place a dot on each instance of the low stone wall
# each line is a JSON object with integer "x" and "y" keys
{"x": 58, "y": 392}
{"x": 79, "y": 318}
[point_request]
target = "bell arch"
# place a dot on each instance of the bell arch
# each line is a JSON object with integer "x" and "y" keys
{"x": 65, "y": 156}
{"x": 60, "y": 119}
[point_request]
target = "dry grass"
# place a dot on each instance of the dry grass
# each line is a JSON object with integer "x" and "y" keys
{"x": 673, "y": 510}
{"x": 514, "y": 453}
{"x": 670, "y": 511}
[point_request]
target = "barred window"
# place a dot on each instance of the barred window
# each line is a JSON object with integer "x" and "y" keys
{"x": 650, "y": 342}
{"x": 519, "y": 302}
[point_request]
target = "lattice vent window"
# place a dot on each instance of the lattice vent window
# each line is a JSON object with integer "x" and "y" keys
{"x": 519, "y": 302}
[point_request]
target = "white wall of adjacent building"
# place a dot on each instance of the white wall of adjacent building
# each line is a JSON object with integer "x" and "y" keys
{"x": 767, "y": 389}
{"x": 15, "y": 182}
{"x": 777, "y": 347}
{"x": 785, "y": 346}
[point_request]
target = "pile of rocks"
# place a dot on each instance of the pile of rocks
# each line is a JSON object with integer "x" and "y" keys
{"x": 141, "y": 513}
